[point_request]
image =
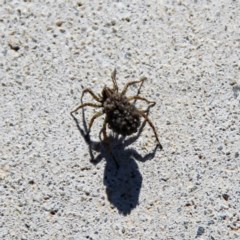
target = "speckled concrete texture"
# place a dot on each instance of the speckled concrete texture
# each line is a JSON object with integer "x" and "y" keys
{"x": 189, "y": 51}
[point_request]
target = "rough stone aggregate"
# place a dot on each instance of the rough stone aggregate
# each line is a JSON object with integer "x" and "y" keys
{"x": 189, "y": 51}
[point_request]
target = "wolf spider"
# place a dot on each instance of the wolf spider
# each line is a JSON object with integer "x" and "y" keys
{"x": 121, "y": 116}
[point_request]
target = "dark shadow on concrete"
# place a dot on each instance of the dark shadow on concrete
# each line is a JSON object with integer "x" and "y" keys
{"x": 123, "y": 183}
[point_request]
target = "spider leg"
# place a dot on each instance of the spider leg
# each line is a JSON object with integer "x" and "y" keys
{"x": 106, "y": 141}
{"x": 86, "y": 105}
{"x": 103, "y": 131}
{"x": 135, "y": 98}
{"x": 96, "y": 115}
{"x": 142, "y": 98}
{"x": 113, "y": 75}
{"x": 88, "y": 90}
{"x": 152, "y": 126}
{"x": 131, "y": 83}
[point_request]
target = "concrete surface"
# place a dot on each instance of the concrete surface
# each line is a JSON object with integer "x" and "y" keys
{"x": 190, "y": 53}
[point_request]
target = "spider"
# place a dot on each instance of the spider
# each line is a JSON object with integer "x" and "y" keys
{"x": 121, "y": 115}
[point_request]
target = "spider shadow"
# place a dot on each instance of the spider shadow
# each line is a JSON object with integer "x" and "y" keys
{"x": 123, "y": 181}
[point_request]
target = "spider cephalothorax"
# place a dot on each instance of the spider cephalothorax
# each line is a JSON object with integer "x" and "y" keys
{"x": 121, "y": 115}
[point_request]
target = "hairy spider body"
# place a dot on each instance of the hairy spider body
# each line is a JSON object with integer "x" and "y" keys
{"x": 121, "y": 115}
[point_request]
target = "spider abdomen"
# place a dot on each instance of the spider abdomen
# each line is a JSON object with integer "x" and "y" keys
{"x": 122, "y": 117}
